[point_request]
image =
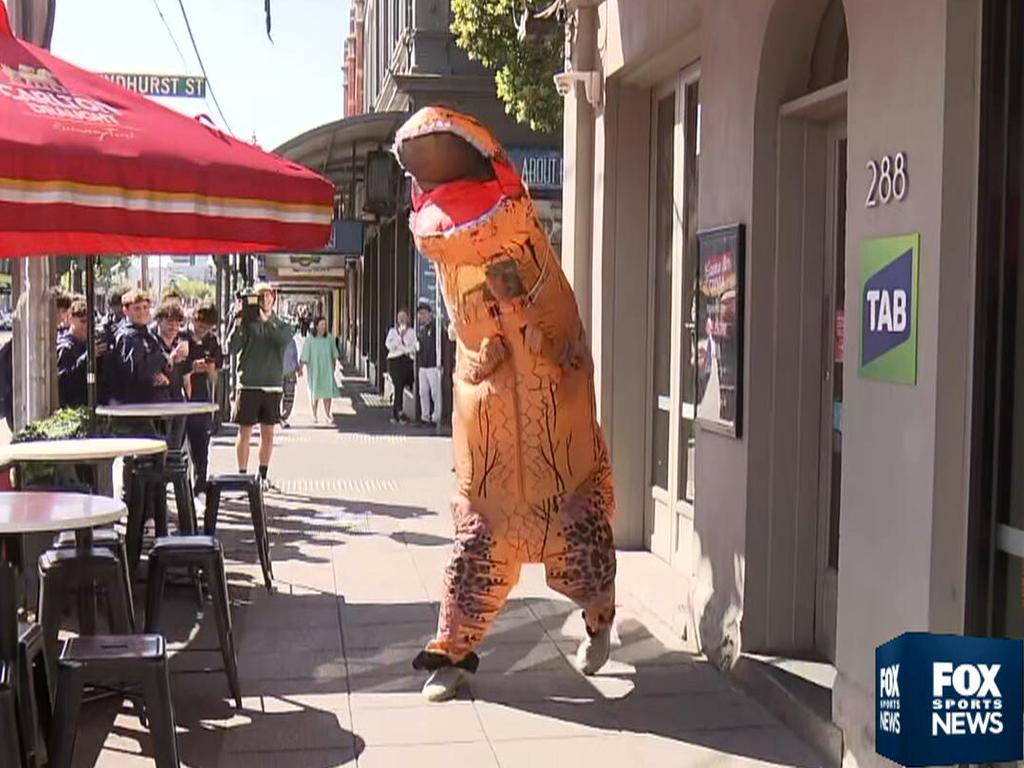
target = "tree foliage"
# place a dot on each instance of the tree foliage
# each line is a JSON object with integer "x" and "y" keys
{"x": 487, "y": 31}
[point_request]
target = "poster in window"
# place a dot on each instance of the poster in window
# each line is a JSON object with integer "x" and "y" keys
{"x": 720, "y": 290}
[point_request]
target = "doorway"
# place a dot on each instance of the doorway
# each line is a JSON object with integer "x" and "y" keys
{"x": 833, "y": 354}
{"x": 671, "y": 349}
{"x": 803, "y": 472}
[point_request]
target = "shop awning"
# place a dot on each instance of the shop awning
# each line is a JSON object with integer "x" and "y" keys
{"x": 338, "y": 150}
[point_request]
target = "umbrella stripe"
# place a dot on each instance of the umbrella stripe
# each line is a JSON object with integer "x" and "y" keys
{"x": 71, "y": 193}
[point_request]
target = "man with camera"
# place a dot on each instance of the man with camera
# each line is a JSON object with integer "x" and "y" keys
{"x": 259, "y": 338}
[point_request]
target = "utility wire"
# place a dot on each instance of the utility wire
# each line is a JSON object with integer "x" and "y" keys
{"x": 209, "y": 84}
{"x": 170, "y": 34}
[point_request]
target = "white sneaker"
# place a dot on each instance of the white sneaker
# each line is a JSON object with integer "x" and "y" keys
{"x": 444, "y": 684}
{"x": 594, "y": 651}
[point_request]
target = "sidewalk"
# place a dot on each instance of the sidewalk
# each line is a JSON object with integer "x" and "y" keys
{"x": 360, "y": 535}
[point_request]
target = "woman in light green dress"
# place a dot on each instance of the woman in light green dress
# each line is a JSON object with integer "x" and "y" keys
{"x": 319, "y": 359}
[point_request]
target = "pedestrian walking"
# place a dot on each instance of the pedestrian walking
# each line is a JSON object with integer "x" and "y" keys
{"x": 291, "y": 371}
{"x": 319, "y": 361}
{"x": 401, "y": 345}
{"x": 429, "y": 371}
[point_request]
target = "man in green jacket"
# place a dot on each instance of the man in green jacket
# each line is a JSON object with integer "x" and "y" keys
{"x": 259, "y": 342}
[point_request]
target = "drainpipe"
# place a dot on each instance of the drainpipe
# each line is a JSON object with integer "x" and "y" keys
{"x": 579, "y": 137}
{"x": 34, "y": 339}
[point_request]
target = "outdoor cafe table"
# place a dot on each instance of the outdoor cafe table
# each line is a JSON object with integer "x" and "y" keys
{"x": 97, "y": 451}
{"x": 24, "y": 512}
{"x": 173, "y": 413}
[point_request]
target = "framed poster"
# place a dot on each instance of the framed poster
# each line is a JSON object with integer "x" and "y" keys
{"x": 719, "y": 368}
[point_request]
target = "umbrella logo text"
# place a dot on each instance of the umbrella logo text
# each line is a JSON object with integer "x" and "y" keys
{"x": 46, "y": 96}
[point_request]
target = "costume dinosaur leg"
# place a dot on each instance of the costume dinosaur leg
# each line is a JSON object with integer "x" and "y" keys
{"x": 581, "y": 564}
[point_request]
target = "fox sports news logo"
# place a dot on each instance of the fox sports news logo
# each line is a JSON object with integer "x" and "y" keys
{"x": 966, "y": 699}
{"x": 889, "y": 699}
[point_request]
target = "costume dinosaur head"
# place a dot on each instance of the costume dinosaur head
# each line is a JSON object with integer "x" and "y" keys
{"x": 461, "y": 174}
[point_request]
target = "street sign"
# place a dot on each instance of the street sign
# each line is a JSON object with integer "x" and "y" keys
{"x": 181, "y": 86}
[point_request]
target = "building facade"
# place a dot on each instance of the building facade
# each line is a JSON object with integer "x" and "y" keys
{"x": 817, "y": 495}
{"x": 355, "y": 59}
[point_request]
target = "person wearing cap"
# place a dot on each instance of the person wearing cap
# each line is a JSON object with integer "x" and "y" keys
{"x": 429, "y": 371}
{"x": 259, "y": 344}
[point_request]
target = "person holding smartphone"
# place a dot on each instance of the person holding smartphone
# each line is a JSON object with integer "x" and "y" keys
{"x": 176, "y": 346}
{"x": 206, "y": 358}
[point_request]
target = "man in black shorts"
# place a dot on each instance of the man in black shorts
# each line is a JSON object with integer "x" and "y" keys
{"x": 259, "y": 343}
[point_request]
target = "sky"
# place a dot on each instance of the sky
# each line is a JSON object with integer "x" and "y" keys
{"x": 273, "y": 90}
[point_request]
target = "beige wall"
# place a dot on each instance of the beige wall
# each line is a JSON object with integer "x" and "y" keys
{"x": 913, "y": 70}
{"x": 912, "y": 84}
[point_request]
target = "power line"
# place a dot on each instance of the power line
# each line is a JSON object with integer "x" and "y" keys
{"x": 170, "y": 34}
{"x": 209, "y": 84}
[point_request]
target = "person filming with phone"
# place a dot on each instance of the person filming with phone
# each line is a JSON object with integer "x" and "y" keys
{"x": 175, "y": 343}
{"x": 205, "y": 359}
{"x": 259, "y": 337}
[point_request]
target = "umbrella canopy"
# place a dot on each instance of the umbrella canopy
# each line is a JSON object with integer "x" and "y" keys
{"x": 87, "y": 167}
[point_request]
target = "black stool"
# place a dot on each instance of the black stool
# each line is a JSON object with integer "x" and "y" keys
{"x": 250, "y": 485}
{"x": 62, "y": 570}
{"x": 104, "y": 538}
{"x": 207, "y": 554}
{"x": 147, "y": 494}
{"x": 107, "y": 661}
{"x": 10, "y": 745}
{"x": 35, "y": 699}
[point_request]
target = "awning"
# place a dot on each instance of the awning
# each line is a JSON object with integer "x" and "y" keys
{"x": 338, "y": 150}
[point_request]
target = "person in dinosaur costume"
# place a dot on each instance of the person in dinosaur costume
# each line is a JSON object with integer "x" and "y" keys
{"x": 533, "y": 473}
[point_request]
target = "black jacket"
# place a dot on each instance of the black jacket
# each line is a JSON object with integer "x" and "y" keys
{"x": 107, "y": 369}
{"x": 175, "y": 391}
{"x": 72, "y": 365}
{"x": 138, "y": 357}
{"x": 426, "y": 355}
{"x": 201, "y": 349}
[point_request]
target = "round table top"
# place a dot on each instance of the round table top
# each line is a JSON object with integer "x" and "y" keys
{"x": 47, "y": 511}
{"x": 156, "y": 410}
{"x": 83, "y": 449}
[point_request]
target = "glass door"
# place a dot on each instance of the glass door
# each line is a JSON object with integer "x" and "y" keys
{"x": 671, "y": 339}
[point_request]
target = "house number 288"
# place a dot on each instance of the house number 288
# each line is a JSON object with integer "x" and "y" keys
{"x": 889, "y": 179}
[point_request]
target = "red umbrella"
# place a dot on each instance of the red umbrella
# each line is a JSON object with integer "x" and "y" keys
{"x": 87, "y": 167}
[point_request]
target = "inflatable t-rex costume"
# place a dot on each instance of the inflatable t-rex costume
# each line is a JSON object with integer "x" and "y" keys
{"x": 534, "y": 478}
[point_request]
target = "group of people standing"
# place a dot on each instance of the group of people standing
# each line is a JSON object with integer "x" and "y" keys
{"x": 411, "y": 350}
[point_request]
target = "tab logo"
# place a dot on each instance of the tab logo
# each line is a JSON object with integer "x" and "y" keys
{"x": 889, "y": 298}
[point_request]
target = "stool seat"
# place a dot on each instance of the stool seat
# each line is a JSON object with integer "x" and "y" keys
{"x": 100, "y": 537}
{"x": 196, "y": 543}
{"x": 114, "y": 648}
{"x": 234, "y": 482}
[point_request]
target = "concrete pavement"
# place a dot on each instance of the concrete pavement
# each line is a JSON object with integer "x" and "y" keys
{"x": 360, "y": 535}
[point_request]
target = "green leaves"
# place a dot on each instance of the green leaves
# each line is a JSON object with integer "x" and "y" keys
{"x": 488, "y": 31}
{"x": 62, "y": 425}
